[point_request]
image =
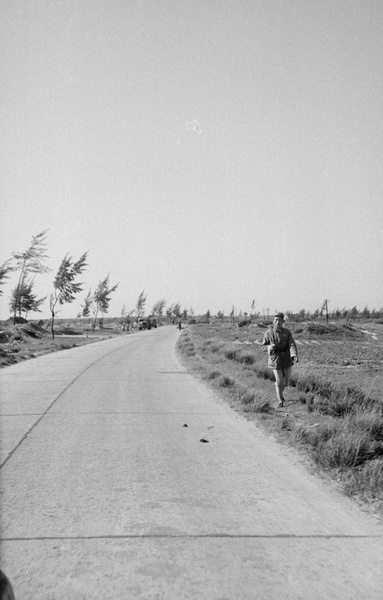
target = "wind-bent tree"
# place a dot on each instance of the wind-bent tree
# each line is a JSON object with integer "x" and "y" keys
{"x": 169, "y": 311}
{"x": 30, "y": 261}
{"x": 158, "y": 308}
{"x": 65, "y": 287}
{"x": 86, "y": 307}
{"x": 140, "y": 304}
{"x": 177, "y": 310}
{"x": 23, "y": 299}
{"x": 5, "y": 269}
{"x": 101, "y": 298}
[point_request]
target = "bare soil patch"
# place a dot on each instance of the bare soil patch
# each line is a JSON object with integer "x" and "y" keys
{"x": 25, "y": 341}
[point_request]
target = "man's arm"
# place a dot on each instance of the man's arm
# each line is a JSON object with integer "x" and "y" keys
{"x": 293, "y": 348}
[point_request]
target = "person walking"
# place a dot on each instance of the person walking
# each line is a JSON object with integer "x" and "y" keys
{"x": 283, "y": 353}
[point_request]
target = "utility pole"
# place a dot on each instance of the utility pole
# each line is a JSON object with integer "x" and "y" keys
{"x": 326, "y": 308}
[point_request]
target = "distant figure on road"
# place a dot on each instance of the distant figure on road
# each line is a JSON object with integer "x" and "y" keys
{"x": 282, "y": 352}
{"x": 179, "y": 322}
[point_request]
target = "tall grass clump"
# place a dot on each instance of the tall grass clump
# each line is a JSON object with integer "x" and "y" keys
{"x": 366, "y": 481}
{"x": 253, "y": 400}
{"x": 247, "y": 358}
{"x": 343, "y": 443}
{"x": 214, "y": 374}
{"x": 226, "y": 381}
{"x": 231, "y": 353}
{"x": 185, "y": 345}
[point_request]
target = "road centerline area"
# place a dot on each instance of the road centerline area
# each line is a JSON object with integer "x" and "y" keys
{"x": 112, "y": 482}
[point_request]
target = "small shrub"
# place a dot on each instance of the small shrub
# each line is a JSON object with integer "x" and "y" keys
{"x": 366, "y": 480}
{"x": 231, "y": 353}
{"x": 246, "y": 397}
{"x": 214, "y": 374}
{"x": 247, "y": 358}
{"x": 244, "y": 322}
{"x": 216, "y": 347}
{"x": 261, "y": 404}
{"x": 226, "y": 381}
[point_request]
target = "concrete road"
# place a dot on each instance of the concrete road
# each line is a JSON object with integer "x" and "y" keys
{"x": 106, "y": 494}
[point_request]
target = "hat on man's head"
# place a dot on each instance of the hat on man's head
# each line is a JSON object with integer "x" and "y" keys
{"x": 279, "y": 314}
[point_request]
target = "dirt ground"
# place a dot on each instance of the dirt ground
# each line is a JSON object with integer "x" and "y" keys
{"x": 29, "y": 340}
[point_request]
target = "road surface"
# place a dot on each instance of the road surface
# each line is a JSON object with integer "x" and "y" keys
{"x": 107, "y": 494}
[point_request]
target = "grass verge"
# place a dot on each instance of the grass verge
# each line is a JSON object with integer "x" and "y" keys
{"x": 339, "y": 426}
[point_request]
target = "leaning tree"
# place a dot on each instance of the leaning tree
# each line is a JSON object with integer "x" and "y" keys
{"x": 65, "y": 287}
{"x": 101, "y": 298}
{"x": 30, "y": 261}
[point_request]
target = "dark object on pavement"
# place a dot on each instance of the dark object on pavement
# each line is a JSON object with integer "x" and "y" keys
{"x": 6, "y": 590}
{"x": 185, "y": 425}
{"x": 204, "y": 441}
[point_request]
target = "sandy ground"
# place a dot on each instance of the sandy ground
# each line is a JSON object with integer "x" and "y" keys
{"x": 22, "y": 342}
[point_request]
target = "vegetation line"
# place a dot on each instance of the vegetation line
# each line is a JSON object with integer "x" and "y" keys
{"x": 333, "y": 411}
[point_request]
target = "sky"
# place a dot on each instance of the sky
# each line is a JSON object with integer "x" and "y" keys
{"x": 208, "y": 152}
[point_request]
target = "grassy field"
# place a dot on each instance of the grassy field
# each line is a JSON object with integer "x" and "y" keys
{"x": 334, "y": 407}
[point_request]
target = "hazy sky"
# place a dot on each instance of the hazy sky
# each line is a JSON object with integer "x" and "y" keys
{"x": 211, "y": 152}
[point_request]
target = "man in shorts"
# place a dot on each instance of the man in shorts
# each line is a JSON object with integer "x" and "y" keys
{"x": 282, "y": 352}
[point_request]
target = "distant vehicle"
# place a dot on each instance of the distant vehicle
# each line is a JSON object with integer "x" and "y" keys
{"x": 142, "y": 324}
{"x": 152, "y": 322}
{"x": 147, "y": 323}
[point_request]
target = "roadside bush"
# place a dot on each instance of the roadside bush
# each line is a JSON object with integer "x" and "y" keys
{"x": 343, "y": 330}
{"x": 244, "y": 322}
{"x": 366, "y": 480}
{"x": 231, "y": 353}
{"x": 339, "y": 445}
{"x": 226, "y": 381}
{"x": 186, "y": 345}
{"x": 214, "y": 374}
{"x": 247, "y": 358}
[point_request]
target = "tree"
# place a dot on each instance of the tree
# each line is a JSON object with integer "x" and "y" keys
{"x": 64, "y": 284}
{"x": 169, "y": 311}
{"x": 221, "y": 314}
{"x": 86, "y": 307}
{"x": 101, "y": 298}
{"x": 185, "y": 314}
{"x": 177, "y": 310}
{"x": 24, "y": 300}
{"x": 158, "y": 308}
{"x": 5, "y": 269}
{"x": 140, "y": 304}
{"x": 30, "y": 261}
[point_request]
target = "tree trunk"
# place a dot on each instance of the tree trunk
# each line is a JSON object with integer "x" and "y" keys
{"x": 95, "y": 321}
{"x": 18, "y": 292}
{"x": 52, "y": 324}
